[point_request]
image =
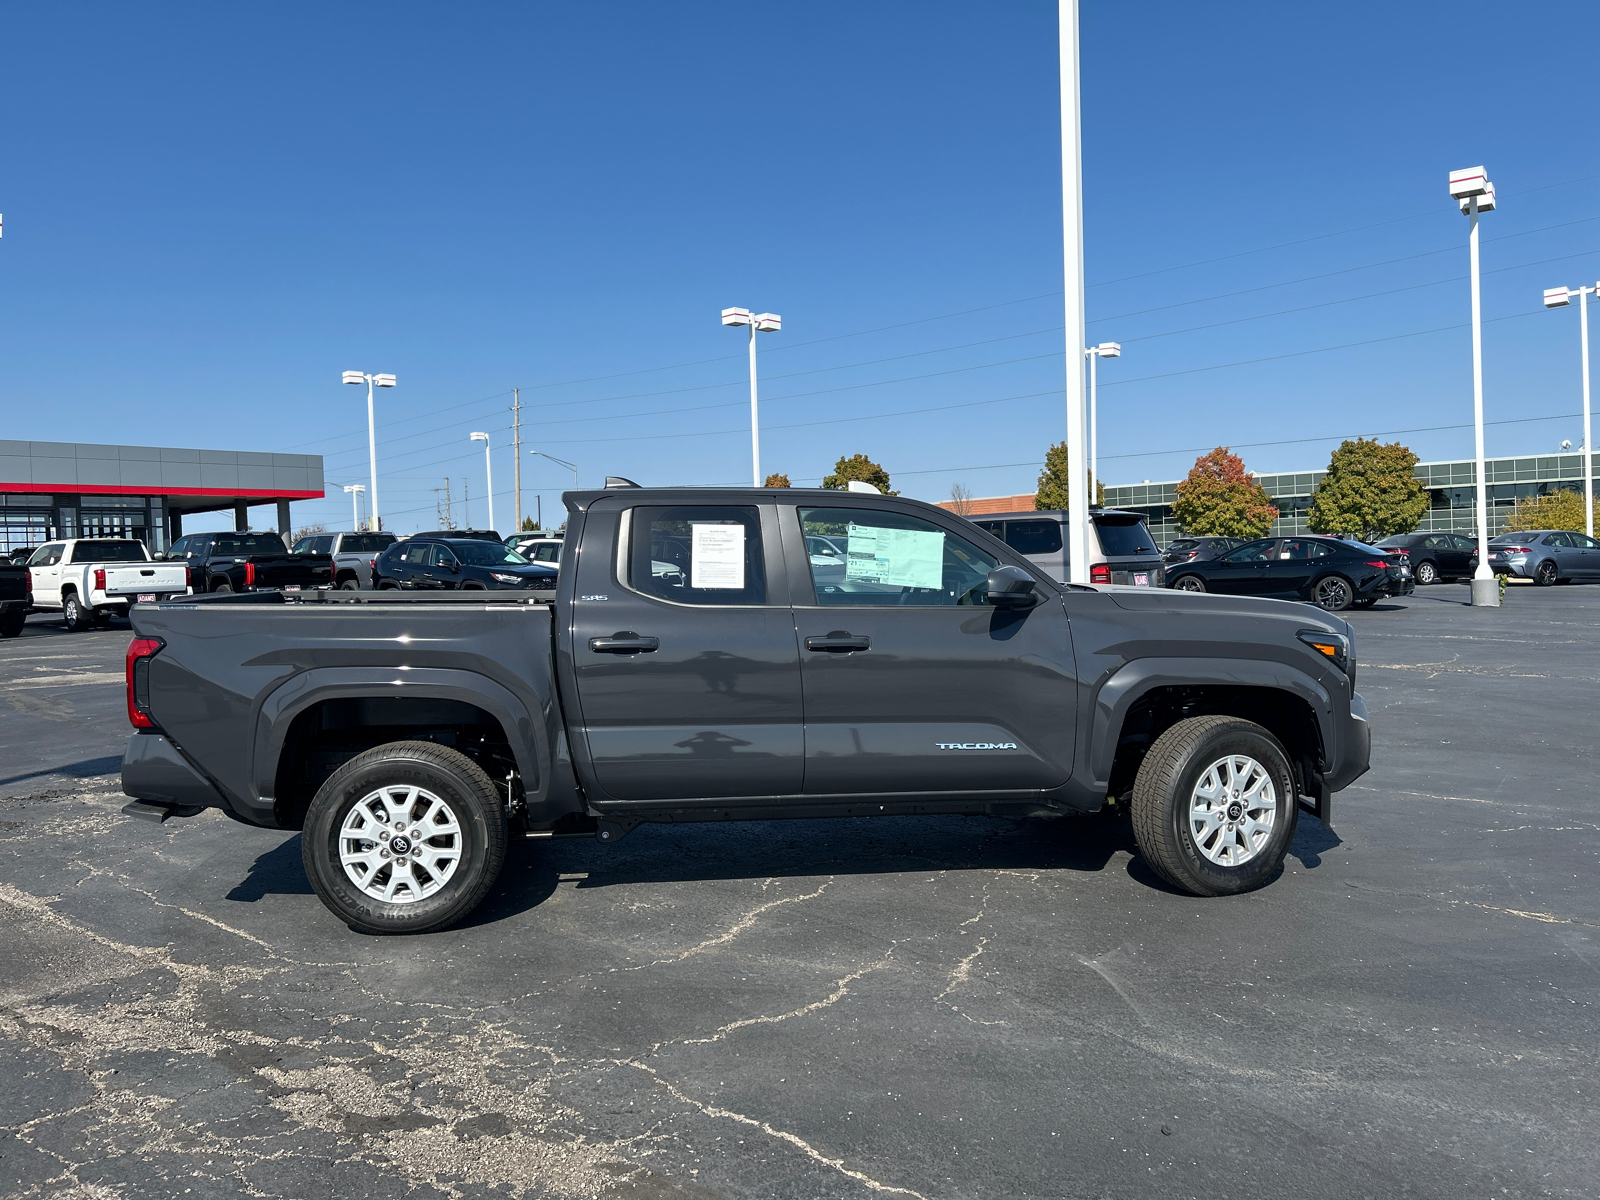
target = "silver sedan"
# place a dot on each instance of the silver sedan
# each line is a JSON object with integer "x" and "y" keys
{"x": 1545, "y": 556}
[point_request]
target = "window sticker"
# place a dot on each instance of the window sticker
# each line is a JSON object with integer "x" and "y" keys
{"x": 911, "y": 558}
{"x": 716, "y": 557}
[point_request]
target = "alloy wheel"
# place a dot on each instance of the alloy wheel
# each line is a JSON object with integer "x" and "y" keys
{"x": 400, "y": 844}
{"x": 1426, "y": 573}
{"x": 1232, "y": 810}
{"x": 1333, "y": 594}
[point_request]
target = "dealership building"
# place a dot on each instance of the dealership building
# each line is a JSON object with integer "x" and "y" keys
{"x": 1452, "y": 494}
{"x": 51, "y": 490}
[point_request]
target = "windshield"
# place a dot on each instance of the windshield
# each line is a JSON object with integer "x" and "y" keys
{"x": 108, "y": 552}
{"x": 487, "y": 554}
{"x": 1122, "y": 540}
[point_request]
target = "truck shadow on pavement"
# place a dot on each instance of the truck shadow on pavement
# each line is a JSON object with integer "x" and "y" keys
{"x": 88, "y": 768}
{"x": 663, "y": 853}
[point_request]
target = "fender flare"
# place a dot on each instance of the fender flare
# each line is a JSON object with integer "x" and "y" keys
{"x": 529, "y": 743}
{"x": 1124, "y": 687}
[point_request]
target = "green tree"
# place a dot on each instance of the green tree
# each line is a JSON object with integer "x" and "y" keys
{"x": 529, "y": 525}
{"x": 858, "y": 466}
{"x": 1053, "y": 492}
{"x": 776, "y": 480}
{"x": 1371, "y": 490}
{"x": 1220, "y": 498}
{"x": 1561, "y": 509}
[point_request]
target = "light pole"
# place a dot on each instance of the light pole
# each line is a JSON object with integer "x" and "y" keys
{"x": 372, "y": 434}
{"x": 355, "y": 490}
{"x": 759, "y": 323}
{"x": 573, "y": 467}
{"x": 1559, "y": 298}
{"x": 1473, "y": 191}
{"x": 488, "y": 472}
{"x": 1072, "y": 292}
{"x": 1103, "y": 350}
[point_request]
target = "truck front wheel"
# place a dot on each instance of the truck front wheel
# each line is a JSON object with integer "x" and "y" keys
{"x": 1215, "y": 806}
{"x": 406, "y": 838}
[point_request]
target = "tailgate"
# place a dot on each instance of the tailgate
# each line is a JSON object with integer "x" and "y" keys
{"x": 293, "y": 570}
{"x": 134, "y": 578}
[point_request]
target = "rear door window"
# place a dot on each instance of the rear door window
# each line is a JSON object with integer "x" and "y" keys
{"x": 1034, "y": 537}
{"x": 365, "y": 543}
{"x": 697, "y": 554}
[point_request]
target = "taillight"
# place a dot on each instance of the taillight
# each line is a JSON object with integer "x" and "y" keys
{"x": 140, "y": 652}
{"x": 30, "y": 582}
{"x": 1382, "y": 566}
{"x": 1510, "y": 549}
{"x": 1100, "y": 573}
{"x": 249, "y": 574}
{"x": 99, "y": 579}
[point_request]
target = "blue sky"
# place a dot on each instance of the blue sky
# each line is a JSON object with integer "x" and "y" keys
{"x": 211, "y": 211}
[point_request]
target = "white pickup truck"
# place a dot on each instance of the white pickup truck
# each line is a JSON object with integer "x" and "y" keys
{"x": 91, "y": 580}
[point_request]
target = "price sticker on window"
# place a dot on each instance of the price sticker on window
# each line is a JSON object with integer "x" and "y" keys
{"x": 716, "y": 556}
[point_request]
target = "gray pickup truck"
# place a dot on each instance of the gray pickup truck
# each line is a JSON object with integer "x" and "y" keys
{"x": 353, "y": 555}
{"x": 929, "y": 668}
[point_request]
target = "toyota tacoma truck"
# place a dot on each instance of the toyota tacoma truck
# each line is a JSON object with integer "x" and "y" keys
{"x": 14, "y": 599}
{"x": 928, "y": 668}
{"x": 354, "y": 555}
{"x": 248, "y": 562}
{"x": 90, "y": 580}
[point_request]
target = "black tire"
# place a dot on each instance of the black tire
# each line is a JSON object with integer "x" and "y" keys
{"x": 74, "y": 615}
{"x": 223, "y": 587}
{"x": 1427, "y": 572}
{"x": 351, "y": 584}
{"x": 1332, "y": 593}
{"x": 452, "y": 778}
{"x": 1365, "y": 603}
{"x": 1544, "y": 574}
{"x": 1167, "y": 781}
{"x": 1188, "y": 583}
{"x": 388, "y": 585}
{"x": 11, "y": 624}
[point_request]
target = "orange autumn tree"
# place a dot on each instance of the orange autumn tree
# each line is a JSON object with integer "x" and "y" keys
{"x": 1221, "y": 498}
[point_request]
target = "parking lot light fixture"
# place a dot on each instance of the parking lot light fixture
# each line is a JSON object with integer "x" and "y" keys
{"x": 1471, "y": 189}
{"x": 1561, "y": 297}
{"x": 1103, "y": 350}
{"x": 758, "y": 323}
{"x": 355, "y": 490}
{"x": 560, "y": 462}
{"x": 488, "y": 472}
{"x": 384, "y": 381}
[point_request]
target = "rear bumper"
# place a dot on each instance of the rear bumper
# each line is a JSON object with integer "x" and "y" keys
{"x": 153, "y": 770}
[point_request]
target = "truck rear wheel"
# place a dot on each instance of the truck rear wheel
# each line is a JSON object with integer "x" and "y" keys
{"x": 406, "y": 838}
{"x": 1215, "y": 806}
{"x": 12, "y": 622}
{"x": 73, "y": 614}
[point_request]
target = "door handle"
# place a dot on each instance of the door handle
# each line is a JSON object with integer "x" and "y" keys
{"x": 839, "y": 642}
{"x": 624, "y": 642}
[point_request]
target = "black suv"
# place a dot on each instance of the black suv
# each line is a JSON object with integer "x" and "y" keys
{"x": 426, "y": 562}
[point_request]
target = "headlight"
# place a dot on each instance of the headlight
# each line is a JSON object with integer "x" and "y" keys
{"x": 1335, "y": 646}
{"x": 517, "y": 579}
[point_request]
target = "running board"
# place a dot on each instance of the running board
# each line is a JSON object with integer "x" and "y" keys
{"x": 159, "y": 812}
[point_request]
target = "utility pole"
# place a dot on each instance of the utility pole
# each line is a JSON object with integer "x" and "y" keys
{"x": 516, "y": 450}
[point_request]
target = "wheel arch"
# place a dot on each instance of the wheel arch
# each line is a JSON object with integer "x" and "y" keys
{"x": 320, "y": 719}
{"x": 1149, "y": 696}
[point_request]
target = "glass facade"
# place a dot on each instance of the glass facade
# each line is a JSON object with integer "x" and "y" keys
{"x": 1451, "y": 491}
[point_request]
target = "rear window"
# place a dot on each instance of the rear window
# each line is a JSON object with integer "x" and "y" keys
{"x": 248, "y": 543}
{"x": 1033, "y": 537}
{"x": 1511, "y": 539}
{"x": 1362, "y": 547}
{"x": 365, "y": 543}
{"x": 1399, "y": 540}
{"x": 1121, "y": 541}
{"x": 108, "y": 552}
{"x": 1183, "y": 544}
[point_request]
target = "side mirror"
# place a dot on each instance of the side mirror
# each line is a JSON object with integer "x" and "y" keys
{"x": 1011, "y": 587}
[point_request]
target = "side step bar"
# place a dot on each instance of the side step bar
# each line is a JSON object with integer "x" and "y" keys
{"x": 158, "y": 813}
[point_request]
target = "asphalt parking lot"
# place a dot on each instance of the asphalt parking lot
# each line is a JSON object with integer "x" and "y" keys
{"x": 934, "y": 1007}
